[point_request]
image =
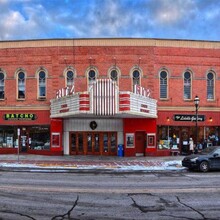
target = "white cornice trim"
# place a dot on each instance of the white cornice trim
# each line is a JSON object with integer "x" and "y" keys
{"x": 138, "y": 42}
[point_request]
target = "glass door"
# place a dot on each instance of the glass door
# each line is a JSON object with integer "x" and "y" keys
{"x": 96, "y": 143}
{"x": 113, "y": 145}
{"x": 80, "y": 144}
{"x": 76, "y": 143}
{"x": 105, "y": 144}
{"x": 109, "y": 142}
{"x": 73, "y": 143}
{"x": 93, "y": 143}
{"x": 90, "y": 141}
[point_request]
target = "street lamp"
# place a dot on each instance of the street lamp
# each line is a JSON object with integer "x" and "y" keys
{"x": 196, "y": 102}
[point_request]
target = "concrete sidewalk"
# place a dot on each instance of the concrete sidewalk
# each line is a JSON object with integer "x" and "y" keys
{"x": 28, "y": 162}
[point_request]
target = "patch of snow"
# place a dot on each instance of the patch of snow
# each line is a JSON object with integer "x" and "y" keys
{"x": 168, "y": 165}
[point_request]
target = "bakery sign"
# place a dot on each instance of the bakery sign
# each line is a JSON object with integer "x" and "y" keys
{"x": 16, "y": 116}
{"x": 189, "y": 118}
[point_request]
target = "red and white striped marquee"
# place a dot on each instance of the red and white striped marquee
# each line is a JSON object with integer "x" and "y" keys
{"x": 104, "y": 99}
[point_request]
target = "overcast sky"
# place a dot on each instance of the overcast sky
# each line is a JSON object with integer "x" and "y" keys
{"x": 172, "y": 19}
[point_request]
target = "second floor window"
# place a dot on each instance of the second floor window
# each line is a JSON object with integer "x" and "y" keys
{"x": 114, "y": 75}
{"x": 135, "y": 79}
{"x": 2, "y": 85}
{"x": 187, "y": 85}
{"x": 210, "y": 86}
{"x": 91, "y": 76}
{"x": 69, "y": 78}
{"x": 42, "y": 84}
{"x": 163, "y": 85}
{"x": 21, "y": 85}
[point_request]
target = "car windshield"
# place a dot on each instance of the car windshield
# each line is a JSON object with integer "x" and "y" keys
{"x": 208, "y": 150}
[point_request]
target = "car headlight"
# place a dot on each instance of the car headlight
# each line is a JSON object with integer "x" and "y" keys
{"x": 194, "y": 159}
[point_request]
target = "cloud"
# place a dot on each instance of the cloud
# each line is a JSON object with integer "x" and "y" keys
{"x": 169, "y": 12}
{"x": 34, "y": 19}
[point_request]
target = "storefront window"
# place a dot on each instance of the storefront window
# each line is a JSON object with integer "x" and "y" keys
{"x": 177, "y": 138}
{"x": 7, "y": 137}
{"x": 39, "y": 138}
{"x": 212, "y": 136}
{"x": 168, "y": 138}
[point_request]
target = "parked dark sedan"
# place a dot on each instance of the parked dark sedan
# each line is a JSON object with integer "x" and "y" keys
{"x": 208, "y": 159}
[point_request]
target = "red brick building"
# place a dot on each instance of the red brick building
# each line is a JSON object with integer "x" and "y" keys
{"x": 93, "y": 96}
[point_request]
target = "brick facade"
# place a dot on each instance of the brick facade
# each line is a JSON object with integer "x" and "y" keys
{"x": 149, "y": 55}
{"x": 150, "y": 60}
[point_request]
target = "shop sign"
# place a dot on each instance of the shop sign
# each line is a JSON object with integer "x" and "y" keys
{"x": 25, "y": 116}
{"x": 189, "y": 118}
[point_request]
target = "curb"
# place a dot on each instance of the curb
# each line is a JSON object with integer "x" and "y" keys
{"x": 86, "y": 171}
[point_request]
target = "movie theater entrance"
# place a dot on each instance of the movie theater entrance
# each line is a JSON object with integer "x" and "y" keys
{"x": 93, "y": 143}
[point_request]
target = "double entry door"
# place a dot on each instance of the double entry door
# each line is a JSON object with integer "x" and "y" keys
{"x": 93, "y": 143}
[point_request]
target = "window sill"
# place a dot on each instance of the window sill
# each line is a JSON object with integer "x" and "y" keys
{"x": 163, "y": 99}
{"x": 41, "y": 98}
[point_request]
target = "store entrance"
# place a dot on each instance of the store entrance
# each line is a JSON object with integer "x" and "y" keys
{"x": 23, "y": 142}
{"x": 93, "y": 143}
{"x": 140, "y": 142}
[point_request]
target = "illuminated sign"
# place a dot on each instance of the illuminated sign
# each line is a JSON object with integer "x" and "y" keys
{"x": 189, "y": 118}
{"x": 25, "y": 116}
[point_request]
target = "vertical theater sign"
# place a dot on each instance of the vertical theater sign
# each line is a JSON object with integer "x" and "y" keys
{"x": 97, "y": 121}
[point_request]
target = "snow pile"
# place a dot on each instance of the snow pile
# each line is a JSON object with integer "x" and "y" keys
{"x": 168, "y": 165}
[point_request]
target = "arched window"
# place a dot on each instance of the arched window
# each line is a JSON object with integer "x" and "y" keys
{"x": 2, "y": 85}
{"x": 70, "y": 78}
{"x": 21, "y": 90}
{"x": 135, "y": 79}
{"x": 187, "y": 85}
{"x": 41, "y": 84}
{"x": 91, "y": 76}
{"x": 163, "y": 85}
{"x": 210, "y": 86}
{"x": 114, "y": 75}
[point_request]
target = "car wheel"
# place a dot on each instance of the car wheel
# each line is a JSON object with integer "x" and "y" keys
{"x": 204, "y": 166}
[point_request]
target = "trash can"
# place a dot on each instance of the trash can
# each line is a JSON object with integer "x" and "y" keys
{"x": 120, "y": 150}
